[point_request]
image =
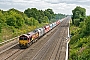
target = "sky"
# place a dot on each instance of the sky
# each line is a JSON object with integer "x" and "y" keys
{"x": 58, "y": 6}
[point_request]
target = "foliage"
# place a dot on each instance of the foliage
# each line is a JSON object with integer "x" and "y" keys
{"x": 15, "y": 19}
{"x": 0, "y": 27}
{"x": 49, "y": 13}
{"x": 87, "y": 23}
{"x": 33, "y": 12}
{"x": 59, "y": 16}
{"x": 40, "y": 15}
{"x": 2, "y": 18}
{"x": 81, "y": 49}
{"x": 78, "y": 13}
{"x": 80, "y": 41}
{"x": 76, "y": 22}
{"x": 45, "y": 19}
{"x": 31, "y": 21}
{"x": 14, "y": 22}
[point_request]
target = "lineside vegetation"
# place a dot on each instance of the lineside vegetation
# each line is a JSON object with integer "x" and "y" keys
{"x": 80, "y": 35}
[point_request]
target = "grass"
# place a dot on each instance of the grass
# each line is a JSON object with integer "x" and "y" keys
{"x": 9, "y": 32}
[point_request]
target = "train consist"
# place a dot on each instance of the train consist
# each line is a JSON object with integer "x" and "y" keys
{"x": 26, "y": 40}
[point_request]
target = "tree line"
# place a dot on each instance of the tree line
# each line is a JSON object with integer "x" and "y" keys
{"x": 16, "y": 20}
{"x": 32, "y": 16}
{"x": 80, "y": 35}
{"x": 79, "y": 15}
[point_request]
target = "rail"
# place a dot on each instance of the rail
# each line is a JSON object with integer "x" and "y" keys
{"x": 9, "y": 40}
{"x": 68, "y": 39}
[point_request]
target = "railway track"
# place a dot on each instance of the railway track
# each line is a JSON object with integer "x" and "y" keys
{"x": 51, "y": 46}
{"x": 15, "y": 51}
{"x": 54, "y": 48}
{"x": 11, "y": 52}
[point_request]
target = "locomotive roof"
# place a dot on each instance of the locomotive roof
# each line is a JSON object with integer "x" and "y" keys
{"x": 25, "y": 35}
{"x": 30, "y": 33}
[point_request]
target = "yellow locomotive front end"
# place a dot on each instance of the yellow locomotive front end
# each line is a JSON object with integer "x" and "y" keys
{"x": 24, "y": 41}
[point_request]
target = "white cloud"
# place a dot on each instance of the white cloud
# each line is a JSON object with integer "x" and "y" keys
{"x": 52, "y": 1}
{"x": 58, "y": 6}
{"x": 81, "y": 2}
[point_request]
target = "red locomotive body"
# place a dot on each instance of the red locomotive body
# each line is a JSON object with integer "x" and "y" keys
{"x": 47, "y": 28}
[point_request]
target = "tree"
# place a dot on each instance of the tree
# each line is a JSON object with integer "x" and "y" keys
{"x": 45, "y": 19}
{"x": 31, "y": 21}
{"x": 19, "y": 21}
{"x": 78, "y": 13}
{"x": 11, "y": 21}
{"x": 0, "y": 27}
{"x": 2, "y": 18}
{"x": 41, "y": 16}
{"x": 87, "y": 24}
{"x": 33, "y": 12}
{"x": 14, "y": 18}
{"x": 49, "y": 13}
{"x": 59, "y": 16}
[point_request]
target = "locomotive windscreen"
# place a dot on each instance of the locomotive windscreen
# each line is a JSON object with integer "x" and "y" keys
{"x": 23, "y": 38}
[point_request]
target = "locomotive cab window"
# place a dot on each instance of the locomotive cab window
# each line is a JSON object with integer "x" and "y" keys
{"x": 20, "y": 38}
{"x": 23, "y": 38}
